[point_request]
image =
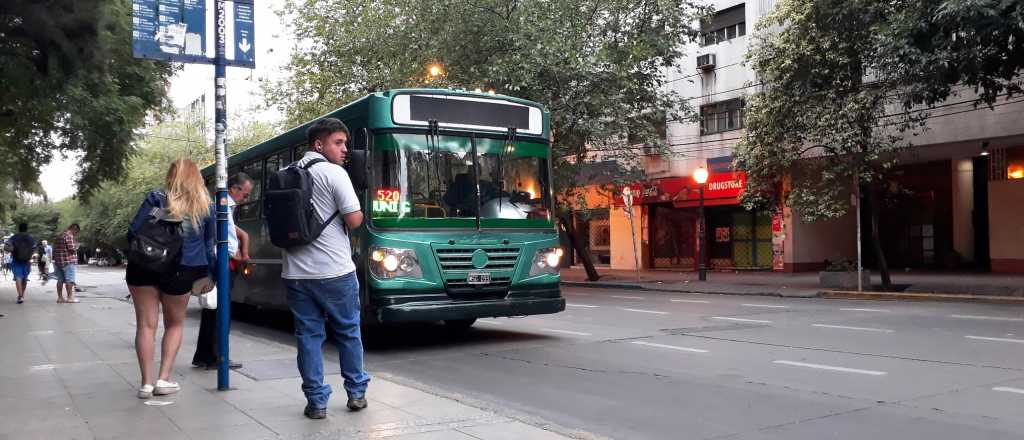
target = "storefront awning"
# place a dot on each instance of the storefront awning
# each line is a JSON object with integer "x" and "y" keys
{"x": 721, "y": 189}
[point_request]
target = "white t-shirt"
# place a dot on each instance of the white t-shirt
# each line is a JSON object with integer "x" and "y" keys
{"x": 331, "y": 254}
{"x": 232, "y": 229}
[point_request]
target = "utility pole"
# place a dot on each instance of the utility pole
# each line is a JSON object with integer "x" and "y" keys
{"x": 220, "y": 126}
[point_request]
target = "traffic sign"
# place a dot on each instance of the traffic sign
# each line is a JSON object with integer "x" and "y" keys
{"x": 175, "y": 30}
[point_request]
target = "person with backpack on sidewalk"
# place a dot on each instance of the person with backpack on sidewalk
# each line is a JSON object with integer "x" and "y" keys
{"x": 318, "y": 270}
{"x": 239, "y": 187}
{"x": 65, "y": 261}
{"x": 21, "y": 246}
{"x": 171, "y": 246}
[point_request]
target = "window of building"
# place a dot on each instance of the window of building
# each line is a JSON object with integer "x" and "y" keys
{"x": 724, "y": 25}
{"x": 722, "y": 116}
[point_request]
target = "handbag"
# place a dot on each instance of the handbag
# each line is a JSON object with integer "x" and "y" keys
{"x": 206, "y": 290}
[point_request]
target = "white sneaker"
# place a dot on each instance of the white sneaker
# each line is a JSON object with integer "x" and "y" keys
{"x": 146, "y": 391}
{"x": 164, "y": 388}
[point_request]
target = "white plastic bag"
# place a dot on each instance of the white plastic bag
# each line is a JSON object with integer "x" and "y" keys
{"x": 206, "y": 290}
{"x": 208, "y": 300}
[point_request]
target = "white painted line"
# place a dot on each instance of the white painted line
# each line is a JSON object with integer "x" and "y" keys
{"x": 671, "y": 347}
{"x": 725, "y": 318}
{"x": 158, "y": 402}
{"x": 867, "y": 329}
{"x": 1008, "y": 390}
{"x": 990, "y": 318}
{"x": 831, "y": 368}
{"x": 766, "y": 306}
{"x": 586, "y": 306}
{"x": 985, "y": 338}
{"x": 43, "y": 367}
{"x": 694, "y": 301}
{"x": 41, "y": 332}
{"x": 626, "y": 297}
{"x": 865, "y": 310}
{"x": 487, "y": 321}
{"x": 654, "y": 312}
{"x": 566, "y": 332}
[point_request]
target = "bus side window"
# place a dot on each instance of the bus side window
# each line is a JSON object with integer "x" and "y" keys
{"x": 298, "y": 151}
{"x": 250, "y": 209}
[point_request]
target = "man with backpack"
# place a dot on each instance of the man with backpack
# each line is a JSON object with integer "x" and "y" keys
{"x": 21, "y": 246}
{"x": 317, "y": 268}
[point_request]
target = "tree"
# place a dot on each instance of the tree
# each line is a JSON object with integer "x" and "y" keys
{"x": 846, "y": 83}
{"x": 69, "y": 83}
{"x": 598, "y": 65}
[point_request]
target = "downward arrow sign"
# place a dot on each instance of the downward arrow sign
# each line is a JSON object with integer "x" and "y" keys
{"x": 244, "y": 45}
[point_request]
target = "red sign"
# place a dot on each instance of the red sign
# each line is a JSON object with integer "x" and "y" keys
{"x": 389, "y": 194}
{"x": 720, "y": 189}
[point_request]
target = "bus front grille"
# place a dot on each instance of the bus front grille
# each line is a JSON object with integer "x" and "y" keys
{"x": 454, "y": 259}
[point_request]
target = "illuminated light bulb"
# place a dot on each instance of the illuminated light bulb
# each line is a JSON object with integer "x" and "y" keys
{"x": 490, "y": 92}
{"x": 390, "y": 263}
{"x": 377, "y": 255}
{"x": 552, "y": 259}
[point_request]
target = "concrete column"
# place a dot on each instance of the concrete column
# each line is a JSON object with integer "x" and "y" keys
{"x": 963, "y": 204}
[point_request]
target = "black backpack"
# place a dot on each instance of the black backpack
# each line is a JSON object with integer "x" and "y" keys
{"x": 21, "y": 248}
{"x": 288, "y": 204}
{"x": 156, "y": 246}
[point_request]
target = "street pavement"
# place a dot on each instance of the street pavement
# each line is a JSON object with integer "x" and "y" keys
{"x": 620, "y": 364}
{"x": 68, "y": 371}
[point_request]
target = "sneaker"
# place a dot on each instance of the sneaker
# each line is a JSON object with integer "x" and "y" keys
{"x": 21, "y": 300}
{"x": 146, "y": 391}
{"x": 164, "y": 388}
{"x": 356, "y": 403}
{"x": 315, "y": 413}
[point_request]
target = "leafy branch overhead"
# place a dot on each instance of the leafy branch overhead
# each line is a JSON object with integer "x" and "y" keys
{"x": 69, "y": 84}
{"x": 599, "y": 66}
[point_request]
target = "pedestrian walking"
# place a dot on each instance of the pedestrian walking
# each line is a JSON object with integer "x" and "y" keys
{"x": 65, "y": 262}
{"x": 320, "y": 276}
{"x": 21, "y": 246}
{"x": 172, "y": 246}
{"x": 239, "y": 187}
{"x": 45, "y": 259}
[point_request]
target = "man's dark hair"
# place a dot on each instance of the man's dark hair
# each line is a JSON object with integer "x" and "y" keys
{"x": 323, "y": 128}
{"x": 22, "y": 227}
{"x": 75, "y": 227}
{"x": 239, "y": 180}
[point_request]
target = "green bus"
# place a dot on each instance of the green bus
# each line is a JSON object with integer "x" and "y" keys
{"x": 456, "y": 191}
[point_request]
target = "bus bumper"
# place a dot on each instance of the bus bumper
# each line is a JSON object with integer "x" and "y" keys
{"x": 451, "y": 310}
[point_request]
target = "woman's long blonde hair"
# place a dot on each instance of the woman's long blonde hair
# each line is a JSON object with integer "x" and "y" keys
{"x": 186, "y": 194}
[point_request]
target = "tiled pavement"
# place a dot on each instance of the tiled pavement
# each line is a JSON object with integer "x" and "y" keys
{"x": 68, "y": 371}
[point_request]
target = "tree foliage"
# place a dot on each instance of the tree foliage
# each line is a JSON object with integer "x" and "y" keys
{"x": 598, "y": 65}
{"x": 69, "y": 84}
{"x": 846, "y": 82}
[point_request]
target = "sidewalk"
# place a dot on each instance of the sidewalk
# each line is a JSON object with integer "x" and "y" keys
{"x": 802, "y": 285}
{"x": 68, "y": 371}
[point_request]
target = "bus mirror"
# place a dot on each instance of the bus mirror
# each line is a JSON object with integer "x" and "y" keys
{"x": 356, "y": 167}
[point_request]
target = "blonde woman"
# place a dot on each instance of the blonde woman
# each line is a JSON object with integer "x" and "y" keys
{"x": 184, "y": 201}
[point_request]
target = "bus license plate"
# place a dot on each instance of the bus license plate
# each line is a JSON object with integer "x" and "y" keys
{"x": 478, "y": 278}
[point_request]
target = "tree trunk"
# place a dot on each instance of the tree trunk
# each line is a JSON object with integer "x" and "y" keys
{"x": 876, "y": 241}
{"x": 577, "y": 245}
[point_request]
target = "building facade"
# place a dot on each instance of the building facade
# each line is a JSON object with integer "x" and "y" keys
{"x": 954, "y": 205}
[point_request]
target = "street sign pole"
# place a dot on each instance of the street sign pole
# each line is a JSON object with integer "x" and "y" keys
{"x": 627, "y": 197}
{"x": 220, "y": 125}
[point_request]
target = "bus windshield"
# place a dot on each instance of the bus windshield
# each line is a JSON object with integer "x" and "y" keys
{"x": 421, "y": 181}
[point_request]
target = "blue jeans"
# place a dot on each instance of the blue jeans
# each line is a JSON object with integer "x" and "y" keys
{"x": 314, "y": 303}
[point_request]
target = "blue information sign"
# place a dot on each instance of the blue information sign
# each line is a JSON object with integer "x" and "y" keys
{"x": 175, "y": 30}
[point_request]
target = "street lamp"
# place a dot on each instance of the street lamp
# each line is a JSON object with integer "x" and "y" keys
{"x": 435, "y": 70}
{"x": 700, "y": 175}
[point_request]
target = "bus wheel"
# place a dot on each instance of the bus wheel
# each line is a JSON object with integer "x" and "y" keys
{"x": 459, "y": 324}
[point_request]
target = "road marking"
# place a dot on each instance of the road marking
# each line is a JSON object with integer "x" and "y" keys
{"x": 41, "y": 332}
{"x": 831, "y": 368}
{"x": 694, "y": 301}
{"x": 566, "y": 332}
{"x": 655, "y": 312}
{"x": 985, "y": 338}
{"x": 1008, "y": 390}
{"x": 767, "y": 306}
{"x": 487, "y": 321}
{"x": 626, "y": 297}
{"x": 671, "y": 347}
{"x": 587, "y": 306}
{"x": 759, "y": 321}
{"x": 867, "y": 329}
{"x": 43, "y": 367}
{"x": 865, "y": 310}
{"x": 990, "y": 318}
{"x": 158, "y": 402}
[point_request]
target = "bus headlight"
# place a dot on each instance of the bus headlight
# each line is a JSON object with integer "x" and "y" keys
{"x": 546, "y": 261}
{"x": 388, "y": 263}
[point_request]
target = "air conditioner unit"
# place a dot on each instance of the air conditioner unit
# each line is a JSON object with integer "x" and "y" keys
{"x": 706, "y": 61}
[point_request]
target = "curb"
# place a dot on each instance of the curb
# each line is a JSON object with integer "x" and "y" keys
{"x": 906, "y": 296}
{"x": 625, "y": 286}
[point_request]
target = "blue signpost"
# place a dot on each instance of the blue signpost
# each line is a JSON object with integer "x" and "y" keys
{"x": 175, "y": 30}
